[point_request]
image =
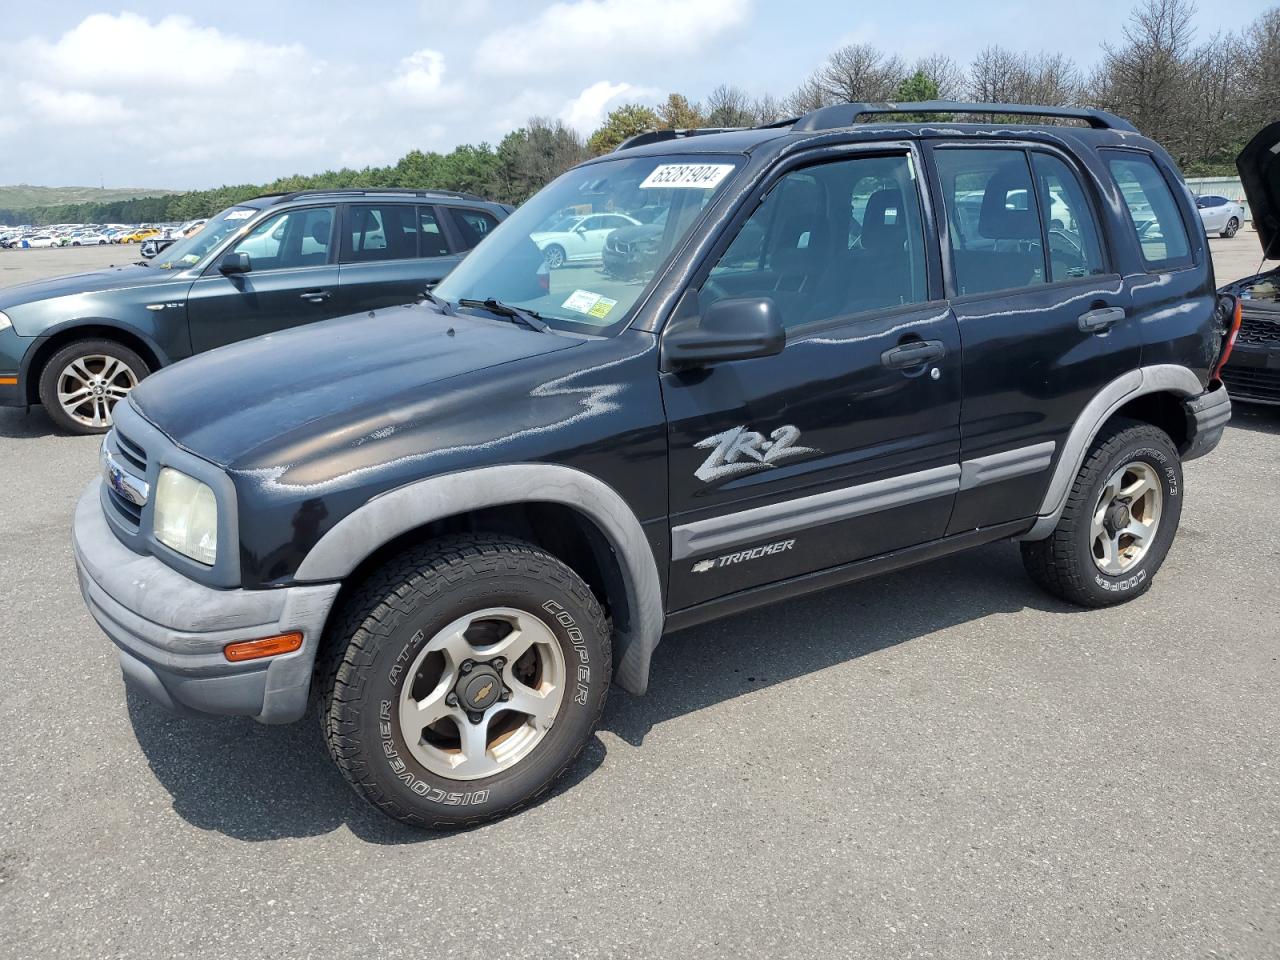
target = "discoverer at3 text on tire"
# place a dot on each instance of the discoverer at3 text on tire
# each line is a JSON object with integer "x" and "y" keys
{"x": 463, "y": 678}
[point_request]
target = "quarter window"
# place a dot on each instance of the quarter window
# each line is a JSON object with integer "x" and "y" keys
{"x": 1153, "y": 212}
{"x": 830, "y": 241}
{"x": 472, "y": 225}
{"x": 993, "y": 224}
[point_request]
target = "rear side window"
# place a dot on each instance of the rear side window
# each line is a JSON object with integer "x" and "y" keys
{"x": 1152, "y": 210}
{"x": 1074, "y": 247}
{"x": 992, "y": 220}
{"x": 472, "y": 225}
{"x": 431, "y": 242}
{"x": 380, "y": 232}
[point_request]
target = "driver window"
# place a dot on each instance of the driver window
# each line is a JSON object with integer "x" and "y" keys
{"x": 296, "y": 238}
{"x": 994, "y": 226}
{"x": 829, "y": 241}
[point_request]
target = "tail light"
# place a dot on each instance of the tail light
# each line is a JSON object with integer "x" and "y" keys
{"x": 544, "y": 278}
{"x": 1237, "y": 314}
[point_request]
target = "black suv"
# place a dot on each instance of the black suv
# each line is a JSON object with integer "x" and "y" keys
{"x": 79, "y": 344}
{"x": 864, "y": 345}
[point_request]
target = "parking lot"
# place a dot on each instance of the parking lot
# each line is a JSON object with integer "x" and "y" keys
{"x": 940, "y": 763}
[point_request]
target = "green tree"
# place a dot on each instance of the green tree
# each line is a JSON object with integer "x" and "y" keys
{"x": 914, "y": 89}
{"x": 677, "y": 113}
{"x": 621, "y": 123}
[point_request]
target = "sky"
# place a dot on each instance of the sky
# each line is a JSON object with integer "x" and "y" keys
{"x": 191, "y": 95}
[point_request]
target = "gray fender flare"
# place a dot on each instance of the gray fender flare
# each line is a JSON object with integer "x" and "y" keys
{"x": 1159, "y": 378}
{"x": 406, "y": 508}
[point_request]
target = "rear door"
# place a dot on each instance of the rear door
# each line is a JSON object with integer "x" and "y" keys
{"x": 845, "y": 445}
{"x": 391, "y": 253}
{"x": 1044, "y": 317}
{"x": 293, "y": 279}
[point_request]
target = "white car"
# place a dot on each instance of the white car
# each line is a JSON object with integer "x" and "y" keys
{"x": 39, "y": 240}
{"x": 579, "y": 238}
{"x": 89, "y": 240}
{"x": 1220, "y": 215}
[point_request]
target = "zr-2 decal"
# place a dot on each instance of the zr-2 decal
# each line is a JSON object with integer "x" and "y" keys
{"x": 740, "y": 451}
{"x": 729, "y": 559}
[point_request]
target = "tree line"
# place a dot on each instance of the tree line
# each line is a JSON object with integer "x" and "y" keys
{"x": 1202, "y": 98}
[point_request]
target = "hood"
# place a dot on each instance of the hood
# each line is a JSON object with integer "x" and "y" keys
{"x": 112, "y": 278}
{"x": 1259, "y": 166}
{"x": 641, "y": 231}
{"x": 228, "y": 404}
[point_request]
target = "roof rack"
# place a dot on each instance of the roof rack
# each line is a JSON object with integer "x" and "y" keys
{"x": 370, "y": 191}
{"x": 657, "y": 136}
{"x": 847, "y": 114}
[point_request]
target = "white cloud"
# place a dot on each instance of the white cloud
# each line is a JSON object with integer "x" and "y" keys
{"x": 72, "y": 107}
{"x": 586, "y": 111}
{"x": 420, "y": 78}
{"x": 570, "y": 34}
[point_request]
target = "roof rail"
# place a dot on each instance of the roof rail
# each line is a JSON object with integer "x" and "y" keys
{"x": 847, "y": 114}
{"x": 657, "y": 136}
{"x": 368, "y": 191}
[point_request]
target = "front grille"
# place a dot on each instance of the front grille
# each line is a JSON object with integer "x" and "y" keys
{"x": 133, "y": 457}
{"x": 1252, "y": 383}
{"x": 1259, "y": 331}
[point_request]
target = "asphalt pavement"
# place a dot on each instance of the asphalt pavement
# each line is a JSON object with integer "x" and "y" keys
{"x": 944, "y": 763}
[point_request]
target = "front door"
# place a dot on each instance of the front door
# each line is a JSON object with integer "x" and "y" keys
{"x": 292, "y": 279}
{"x": 845, "y": 445}
{"x": 1045, "y": 319}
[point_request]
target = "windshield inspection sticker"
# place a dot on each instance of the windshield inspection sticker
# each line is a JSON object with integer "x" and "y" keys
{"x": 686, "y": 176}
{"x": 239, "y": 214}
{"x": 592, "y": 304}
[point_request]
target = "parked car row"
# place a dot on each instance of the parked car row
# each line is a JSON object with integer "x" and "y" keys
{"x": 88, "y": 235}
{"x": 452, "y": 515}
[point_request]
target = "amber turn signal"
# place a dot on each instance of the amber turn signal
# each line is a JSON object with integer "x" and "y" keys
{"x": 266, "y": 647}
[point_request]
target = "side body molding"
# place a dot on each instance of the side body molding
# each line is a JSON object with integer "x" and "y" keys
{"x": 1159, "y": 378}
{"x": 398, "y": 511}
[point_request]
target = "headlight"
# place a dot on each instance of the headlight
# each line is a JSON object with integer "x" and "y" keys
{"x": 5, "y": 323}
{"x": 186, "y": 516}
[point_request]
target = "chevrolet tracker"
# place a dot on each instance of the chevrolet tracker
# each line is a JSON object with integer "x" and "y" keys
{"x": 855, "y": 346}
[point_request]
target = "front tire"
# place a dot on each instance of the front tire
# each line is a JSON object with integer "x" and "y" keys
{"x": 1232, "y": 227}
{"x": 554, "y": 256}
{"x": 462, "y": 679}
{"x": 81, "y": 383}
{"x": 1119, "y": 522}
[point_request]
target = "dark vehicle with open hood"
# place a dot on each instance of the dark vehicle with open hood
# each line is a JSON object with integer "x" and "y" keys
{"x": 862, "y": 345}
{"x": 1253, "y": 372}
{"x": 79, "y": 344}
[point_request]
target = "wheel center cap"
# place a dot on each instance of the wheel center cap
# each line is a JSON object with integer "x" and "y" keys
{"x": 479, "y": 689}
{"x": 1117, "y": 517}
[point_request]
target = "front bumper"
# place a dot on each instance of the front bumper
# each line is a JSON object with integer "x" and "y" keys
{"x": 1207, "y": 417}
{"x": 13, "y": 349}
{"x": 171, "y": 630}
{"x": 1253, "y": 372}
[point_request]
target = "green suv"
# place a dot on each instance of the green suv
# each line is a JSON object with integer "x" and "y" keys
{"x": 79, "y": 344}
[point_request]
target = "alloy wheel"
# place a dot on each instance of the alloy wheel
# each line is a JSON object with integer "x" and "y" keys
{"x": 1126, "y": 518}
{"x": 482, "y": 693}
{"x": 89, "y": 387}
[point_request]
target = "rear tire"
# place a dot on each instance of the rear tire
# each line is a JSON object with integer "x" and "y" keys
{"x": 1233, "y": 226}
{"x": 462, "y": 679}
{"x": 1090, "y": 559}
{"x": 81, "y": 383}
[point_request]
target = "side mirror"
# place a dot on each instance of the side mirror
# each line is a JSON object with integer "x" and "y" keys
{"x": 580, "y": 229}
{"x": 234, "y": 263}
{"x": 148, "y": 249}
{"x": 739, "y": 329}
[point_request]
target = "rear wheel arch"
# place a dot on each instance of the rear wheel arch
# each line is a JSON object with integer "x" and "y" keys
{"x": 573, "y": 516}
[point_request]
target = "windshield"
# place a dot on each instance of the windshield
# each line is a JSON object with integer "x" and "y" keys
{"x": 189, "y": 251}
{"x": 582, "y": 279}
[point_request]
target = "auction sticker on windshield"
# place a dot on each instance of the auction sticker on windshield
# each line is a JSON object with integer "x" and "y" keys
{"x": 686, "y": 176}
{"x": 592, "y": 304}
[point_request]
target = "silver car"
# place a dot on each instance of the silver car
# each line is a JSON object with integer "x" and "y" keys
{"x": 1220, "y": 215}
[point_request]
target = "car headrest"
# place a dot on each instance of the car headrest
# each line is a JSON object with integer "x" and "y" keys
{"x": 1009, "y": 218}
{"x": 320, "y": 230}
{"x": 883, "y": 223}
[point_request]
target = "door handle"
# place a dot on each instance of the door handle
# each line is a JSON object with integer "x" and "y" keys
{"x": 913, "y": 354}
{"x": 1096, "y": 321}
{"x": 316, "y": 296}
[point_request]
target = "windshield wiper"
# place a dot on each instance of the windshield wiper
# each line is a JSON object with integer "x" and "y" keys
{"x": 440, "y": 303}
{"x": 529, "y": 318}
